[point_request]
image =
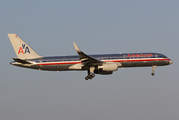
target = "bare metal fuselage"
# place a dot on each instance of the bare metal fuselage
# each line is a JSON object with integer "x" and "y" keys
{"x": 64, "y": 63}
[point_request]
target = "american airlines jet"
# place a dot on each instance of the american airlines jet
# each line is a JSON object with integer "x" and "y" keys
{"x": 104, "y": 64}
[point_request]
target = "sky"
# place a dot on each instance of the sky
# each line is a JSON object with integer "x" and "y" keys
{"x": 97, "y": 27}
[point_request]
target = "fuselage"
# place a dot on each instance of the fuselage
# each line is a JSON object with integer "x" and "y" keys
{"x": 62, "y": 63}
{"x": 104, "y": 64}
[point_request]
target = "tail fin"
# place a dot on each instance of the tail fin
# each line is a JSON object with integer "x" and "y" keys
{"x": 22, "y": 50}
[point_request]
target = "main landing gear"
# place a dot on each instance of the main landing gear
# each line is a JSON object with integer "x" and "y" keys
{"x": 153, "y": 70}
{"x": 90, "y": 73}
{"x": 90, "y": 76}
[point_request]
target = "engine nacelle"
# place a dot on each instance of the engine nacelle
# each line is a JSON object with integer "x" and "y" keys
{"x": 103, "y": 72}
{"x": 108, "y": 67}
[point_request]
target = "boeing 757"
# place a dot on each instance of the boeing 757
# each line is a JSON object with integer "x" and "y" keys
{"x": 104, "y": 64}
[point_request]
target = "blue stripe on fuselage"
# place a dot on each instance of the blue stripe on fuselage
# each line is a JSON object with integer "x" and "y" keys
{"x": 99, "y": 57}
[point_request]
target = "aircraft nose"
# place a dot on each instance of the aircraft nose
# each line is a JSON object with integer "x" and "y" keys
{"x": 170, "y": 62}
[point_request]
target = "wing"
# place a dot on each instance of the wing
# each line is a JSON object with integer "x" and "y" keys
{"x": 86, "y": 59}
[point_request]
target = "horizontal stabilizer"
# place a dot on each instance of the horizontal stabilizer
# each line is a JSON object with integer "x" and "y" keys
{"x": 21, "y": 61}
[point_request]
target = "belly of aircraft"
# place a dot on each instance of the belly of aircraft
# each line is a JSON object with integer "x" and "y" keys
{"x": 144, "y": 63}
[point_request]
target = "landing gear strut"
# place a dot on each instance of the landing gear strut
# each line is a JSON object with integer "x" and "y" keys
{"x": 153, "y": 70}
{"x": 90, "y": 73}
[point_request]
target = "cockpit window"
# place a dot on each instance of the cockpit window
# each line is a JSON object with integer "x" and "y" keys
{"x": 164, "y": 57}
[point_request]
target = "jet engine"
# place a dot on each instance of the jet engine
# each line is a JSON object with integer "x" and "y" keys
{"x": 108, "y": 67}
{"x": 103, "y": 72}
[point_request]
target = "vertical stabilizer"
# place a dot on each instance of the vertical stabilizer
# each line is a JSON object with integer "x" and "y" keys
{"x": 22, "y": 50}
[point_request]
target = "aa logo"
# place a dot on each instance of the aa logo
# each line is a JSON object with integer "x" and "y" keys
{"x": 24, "y": 49}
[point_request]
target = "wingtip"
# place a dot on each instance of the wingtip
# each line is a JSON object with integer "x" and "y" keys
{"x": 76, "y": 47}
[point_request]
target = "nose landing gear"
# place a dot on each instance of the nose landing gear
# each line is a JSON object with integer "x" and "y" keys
{"x": 152, "y": 74}
{"x": 153, "y": 70}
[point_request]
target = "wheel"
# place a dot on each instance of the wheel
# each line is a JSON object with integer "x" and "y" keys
{"x": 89, "y": 77}
{"x": 153, "y": 74}
{"x": 86, "y": 78}
{"x": 93, "y": 75}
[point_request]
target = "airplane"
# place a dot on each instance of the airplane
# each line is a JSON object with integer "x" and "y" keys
{"x": 104, "y": 64}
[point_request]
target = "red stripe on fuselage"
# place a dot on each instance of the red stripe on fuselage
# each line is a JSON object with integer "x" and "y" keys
{"x": 139, "y": 60}
{"x": 126, "y": 60}
{"x": 61, "y": 63}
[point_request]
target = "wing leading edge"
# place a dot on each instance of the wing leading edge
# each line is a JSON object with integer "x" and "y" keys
{"x": 86, "y": 59}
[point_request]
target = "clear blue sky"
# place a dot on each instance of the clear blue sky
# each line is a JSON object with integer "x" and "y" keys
{"x": 97, "y": 26}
